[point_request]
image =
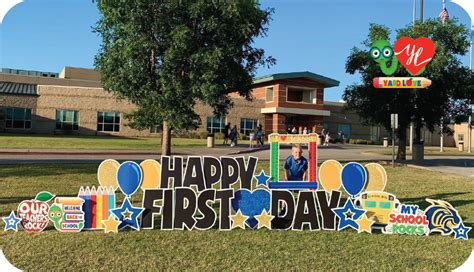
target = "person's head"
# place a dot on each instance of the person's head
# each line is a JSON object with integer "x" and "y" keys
{"x": 228, "y": 124}
{"x": 296, "y": 151}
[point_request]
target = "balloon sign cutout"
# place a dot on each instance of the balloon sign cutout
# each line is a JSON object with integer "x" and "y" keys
{"x": 354, "y": 177}
{"x": 330, "y": 175}
{"x": 129, "y": 177}
{"x": 376, "y": 177}
{"x": 107, "y": 173}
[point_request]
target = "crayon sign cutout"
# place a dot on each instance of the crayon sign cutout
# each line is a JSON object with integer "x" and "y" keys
{"x": 401, "y": 82}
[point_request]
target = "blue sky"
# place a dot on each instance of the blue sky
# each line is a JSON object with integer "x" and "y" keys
{"x": 305, "y": 35}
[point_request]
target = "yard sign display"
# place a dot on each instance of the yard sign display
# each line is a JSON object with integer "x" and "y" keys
{"x": 414, "y": 55}
{"x": 205, "y": 192}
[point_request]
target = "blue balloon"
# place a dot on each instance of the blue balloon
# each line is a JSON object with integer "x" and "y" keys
{"x": 354, "y": 177}
{"x": 129, "y": 177}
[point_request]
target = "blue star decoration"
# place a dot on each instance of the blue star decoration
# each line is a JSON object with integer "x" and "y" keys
{"x": 461, "y": 231}
{"x": 348, "y": 215}
{"x": 11, "y": 222}
{"x": 262, "y": 179}
{"x": 128, "y": 215}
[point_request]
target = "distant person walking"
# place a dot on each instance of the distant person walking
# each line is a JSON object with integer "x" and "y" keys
{"x": 226, "y": 133}
{"x": 305, "y": 130}
{"x": 294, "y": 131}
{"x": 327, "y": 138}
{"x": 233, "y": 136}
{"x": 260, "y": 135}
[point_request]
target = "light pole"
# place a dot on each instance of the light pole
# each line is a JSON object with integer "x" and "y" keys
{"x": 468, "y": 6}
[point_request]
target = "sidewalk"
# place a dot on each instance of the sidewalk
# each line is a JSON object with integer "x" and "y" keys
{"x": 457, "y": 165}
{"x": 13, "y": 156}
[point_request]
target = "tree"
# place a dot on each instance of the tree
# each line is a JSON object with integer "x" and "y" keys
{"x": 165, "y": 56}
{"x": 444, "y": 101}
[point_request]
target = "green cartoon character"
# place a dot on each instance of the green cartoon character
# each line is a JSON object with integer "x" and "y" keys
{"x": 56, "y": 215}
{"x": 382, "y": 53}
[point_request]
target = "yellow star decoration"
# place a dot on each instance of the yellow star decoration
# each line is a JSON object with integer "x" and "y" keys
{"x": 365, "y": 224}
{"x": 111, "y": 225}
{"x": 264, "y": 220}
{"x": 238, "y": 220}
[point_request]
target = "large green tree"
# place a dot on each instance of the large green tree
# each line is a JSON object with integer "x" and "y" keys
{"x": 166, "y": 55}
{"x": 446, "y": 100}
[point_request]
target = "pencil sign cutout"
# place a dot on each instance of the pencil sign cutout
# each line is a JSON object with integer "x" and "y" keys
{"x": 97, "y": 206}
{"x": 401, "y": 82}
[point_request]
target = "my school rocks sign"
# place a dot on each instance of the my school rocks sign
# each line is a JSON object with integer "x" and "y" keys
{"x": 201, "y": 193}
{"x": 414, "y": 55}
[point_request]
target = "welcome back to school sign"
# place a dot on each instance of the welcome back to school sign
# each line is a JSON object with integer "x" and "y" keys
{"x": 205, "y": 192}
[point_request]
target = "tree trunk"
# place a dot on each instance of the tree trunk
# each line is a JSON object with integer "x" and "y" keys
{"x": 417, "y": 133}
{"x": 402, "y": 143}
{"x": 166, "y": 139}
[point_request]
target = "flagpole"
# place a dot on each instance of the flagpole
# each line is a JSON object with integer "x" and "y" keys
{"x": 414, "y": 12}
{"x": 469, "y": 128}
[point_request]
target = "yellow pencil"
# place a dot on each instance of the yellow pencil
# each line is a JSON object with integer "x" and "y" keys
{"x": 99, "y": 213}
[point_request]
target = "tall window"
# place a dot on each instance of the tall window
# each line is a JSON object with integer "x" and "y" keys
{"x": 67, "y": 120}
{"x": 375, "y": 133}
{"x": 108, "y": 121}
{"x": 19, "y": 118}
{"x": 215, "y": 124}
{"x": 269, "y": 94}
{"x": 247, "y": 125}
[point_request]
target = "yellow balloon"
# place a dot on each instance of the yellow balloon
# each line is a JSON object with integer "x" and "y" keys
{"x": 330, "y": 175}
{"x": 376, "y": 177}
{"x": 151, "y": 174}
{"x": 107, "y": 173}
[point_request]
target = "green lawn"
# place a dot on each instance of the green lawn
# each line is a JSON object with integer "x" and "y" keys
{"x": 234, "y": 250}
{"x": 91, "y": 142}
{"x": 429, "y": 151}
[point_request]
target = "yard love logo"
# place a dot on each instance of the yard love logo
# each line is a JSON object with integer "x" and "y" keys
{"x": 225, "y": 193}
{"x": 414, "y": 55}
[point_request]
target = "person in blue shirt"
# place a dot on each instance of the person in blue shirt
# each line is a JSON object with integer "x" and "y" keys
{"x": 296, "y": 165}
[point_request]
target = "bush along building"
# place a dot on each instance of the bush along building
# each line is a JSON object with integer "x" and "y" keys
{"x": 74, "y": 102}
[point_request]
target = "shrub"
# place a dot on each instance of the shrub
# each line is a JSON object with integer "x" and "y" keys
{"x": 361, "y": 141}
{"x": 193, "y": 135}
{"x": 203, "y": 135}
{"x": 218, "y": 135}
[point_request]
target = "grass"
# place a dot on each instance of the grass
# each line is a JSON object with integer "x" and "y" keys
{"x": 233, "y": 250}
{"x": 429, "y": 151}
{"x": 15, "y": 141}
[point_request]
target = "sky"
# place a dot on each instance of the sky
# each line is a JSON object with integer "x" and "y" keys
{"x": 304, "y": 35}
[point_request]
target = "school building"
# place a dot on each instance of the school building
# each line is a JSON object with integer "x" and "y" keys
{"x": 74, "y": 102}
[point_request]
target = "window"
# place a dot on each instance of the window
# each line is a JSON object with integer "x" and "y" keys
{"x": 108, "y": 121}
{"x": 305, "y": 95}
{"x": 67, "y": 120}
{"x": 247, "y": 125}
{"x": 375, "y": 133}
{"x": 385, "y": 205}
{"x": 269, "y": 94}
{"x": 215, "y": 124}
{"x": 19, "y": 118}
{"x": 155, "y": 129}
{"x": 370, "y": 204}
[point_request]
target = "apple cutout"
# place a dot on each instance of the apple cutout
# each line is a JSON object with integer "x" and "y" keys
{"x": 34, "y": 213}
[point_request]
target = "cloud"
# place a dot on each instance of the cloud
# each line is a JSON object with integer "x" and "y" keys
{"x": 6, "y": 6}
